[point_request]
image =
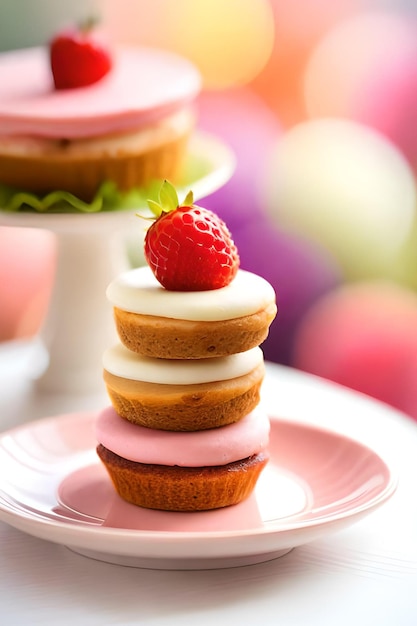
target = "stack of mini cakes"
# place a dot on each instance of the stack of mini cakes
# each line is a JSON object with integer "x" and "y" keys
{"x": 185, "y": 431}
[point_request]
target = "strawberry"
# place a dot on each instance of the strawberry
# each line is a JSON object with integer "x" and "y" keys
{"x": 78, "y": 58}
{"x": 187, "y": 247}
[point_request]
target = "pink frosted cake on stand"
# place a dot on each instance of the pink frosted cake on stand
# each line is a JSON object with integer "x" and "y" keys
{"x": 129, "y": 128}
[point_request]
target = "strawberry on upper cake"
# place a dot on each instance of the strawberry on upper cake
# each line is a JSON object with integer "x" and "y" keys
{"x": 80, "y": 121}
{"x": 78, "y": 58}
{"x": 189, "y": 248}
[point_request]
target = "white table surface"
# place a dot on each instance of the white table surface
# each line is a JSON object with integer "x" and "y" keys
{"x": 365, "y": 574}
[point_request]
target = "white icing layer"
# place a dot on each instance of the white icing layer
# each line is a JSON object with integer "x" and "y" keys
{"x": 122, "y": 362}
{"x": 217, "y": 446}
{"x": 138, "y": 291}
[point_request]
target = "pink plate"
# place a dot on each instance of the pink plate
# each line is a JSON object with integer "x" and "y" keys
{"x": 52, "y": 486}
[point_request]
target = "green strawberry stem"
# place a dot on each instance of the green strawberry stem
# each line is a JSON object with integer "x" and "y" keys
{"x": 88, "y": 24}
{"x": 168, "y": 200}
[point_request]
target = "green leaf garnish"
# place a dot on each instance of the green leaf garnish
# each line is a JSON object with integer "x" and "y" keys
{"x": 107, "y": 198}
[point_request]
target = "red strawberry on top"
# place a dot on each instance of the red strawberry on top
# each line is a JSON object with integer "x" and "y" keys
{"x": 189, "y": 248}
{"x": 78, "y": 58}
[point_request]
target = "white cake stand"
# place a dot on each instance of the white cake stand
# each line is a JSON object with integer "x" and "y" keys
{"x": 91, "y": 250}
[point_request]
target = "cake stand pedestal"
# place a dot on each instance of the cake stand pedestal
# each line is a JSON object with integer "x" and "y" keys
{"x": 79, "y": 325}
{"x": 91, "y": 250}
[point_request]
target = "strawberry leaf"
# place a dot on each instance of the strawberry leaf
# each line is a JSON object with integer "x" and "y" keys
{"x": 168, "y": 197}
{"x": 189, "y": 199}
{"x": 155, "y": 207}
{"x": 168, "y": 200}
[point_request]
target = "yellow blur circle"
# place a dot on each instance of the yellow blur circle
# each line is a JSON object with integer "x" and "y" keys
{"x": 230, "y": 42}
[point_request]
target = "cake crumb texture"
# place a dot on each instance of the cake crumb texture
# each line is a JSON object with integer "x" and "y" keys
{"x": 185, "y": 407}
{"x": 168, "y": 338}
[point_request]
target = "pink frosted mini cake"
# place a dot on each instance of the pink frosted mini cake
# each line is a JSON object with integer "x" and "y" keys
{"x": 128, "y": 128}
{"x": 183, "y": 471}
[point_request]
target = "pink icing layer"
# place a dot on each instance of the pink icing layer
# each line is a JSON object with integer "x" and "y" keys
{"x": 217, "y": 446}
{"x": 143, "y": 86}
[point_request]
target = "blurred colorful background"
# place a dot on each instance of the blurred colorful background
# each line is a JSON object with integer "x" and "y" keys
{"x": 318, "y": 100}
